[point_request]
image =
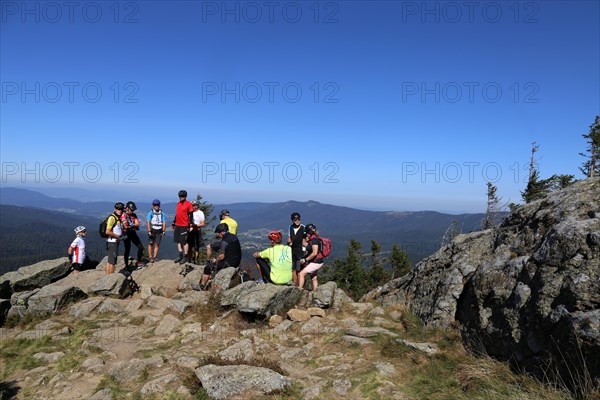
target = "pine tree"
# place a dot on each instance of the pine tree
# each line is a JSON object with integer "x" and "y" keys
{"x": 493, "y": 202}
{"x": 536, "y": 188}
{"x": 377, "y": 273}
{"x": 591, "y": 167}
{"x": 349, "y": 273}
{"x": 400, "y": 263}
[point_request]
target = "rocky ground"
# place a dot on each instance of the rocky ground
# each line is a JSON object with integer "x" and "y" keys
{"x": 164, "y": 342}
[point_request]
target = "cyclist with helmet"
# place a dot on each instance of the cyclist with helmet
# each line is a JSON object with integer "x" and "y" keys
{"x": 313, "y": 260}
{"x": 226, "y": 219}
{"x": 230, "y": 253}
{"x": 274, "y": 264}
{"x": 131, "y": 224}
{"x": 181, "y": 225}
{"x": 157, "y": 227}
{"x": 195, "y": 233}
{"x": 114, "y": 233}
{"x": 77, "y": 249}
{"x": 295, "y": 237}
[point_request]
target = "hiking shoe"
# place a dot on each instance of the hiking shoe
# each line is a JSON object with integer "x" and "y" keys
{"x": 151, "y": 259}
{"x": 178, "y": 259}
{"x": 184, "y": 260}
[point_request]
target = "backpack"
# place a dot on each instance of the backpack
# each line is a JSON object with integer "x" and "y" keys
{"x": 325, "y": 247}
{"x": 103, "y": 225}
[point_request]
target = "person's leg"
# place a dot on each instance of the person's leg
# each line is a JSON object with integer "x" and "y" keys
{"x": 309, "y": 269}
{"x": 157, "y": 239}
{"x": 112, "y": 251}
{"x": 135, "y": 239}
{"x": 314, "y": 282}
{"x": 301, "y": 276}
{"x": 264, "y": 269}
{"x": 150, "y": 245}
{"x": 127, "y": 244}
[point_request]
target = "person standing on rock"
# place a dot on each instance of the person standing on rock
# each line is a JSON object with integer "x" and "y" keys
{"x": 230, "y": 253}
{"x": 181, "y": 225}
{"x": 76, "y": 250}
{"x": 231, "y": 223}
{"x": 295, "y": 237}
{"x": 157, "y": 227}
{"x": 195, "y": 232}
{"x": 131, "y": 224}
{"x": 313, "y": 261}
{"x": 114, "y": 233}
{"x": 275, "y": 263}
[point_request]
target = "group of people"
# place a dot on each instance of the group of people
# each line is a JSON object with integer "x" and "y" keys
{"x": 278, "y": 264}
{"x": 284, "y": 264}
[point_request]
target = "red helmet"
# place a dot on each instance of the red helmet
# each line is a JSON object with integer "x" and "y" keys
{"x": 275, "y": 236}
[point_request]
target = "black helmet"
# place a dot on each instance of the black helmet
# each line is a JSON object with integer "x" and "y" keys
{"x": 221, "y": 228}
{"x": 182, "y": 193}
{"x": 295, "y": 216}
{"x": 310, "y": 228}
{"x": 223, "y": 213}
{"x": 119, "y": 206}
{"x": 131, "y": 205}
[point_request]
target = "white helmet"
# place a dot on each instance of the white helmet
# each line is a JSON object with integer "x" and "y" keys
{"x": 79, "y": 229}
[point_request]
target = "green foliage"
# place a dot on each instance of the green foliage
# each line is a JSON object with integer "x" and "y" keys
{"x": 493, "y": 202}
{"x": 591, "y": 167}
{"x": 400, "y": 263}
{"x": 348, "y": 273}
{"x": 377, "y": 273}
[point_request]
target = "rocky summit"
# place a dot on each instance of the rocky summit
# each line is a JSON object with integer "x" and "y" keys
{"x": 527, "y": 291}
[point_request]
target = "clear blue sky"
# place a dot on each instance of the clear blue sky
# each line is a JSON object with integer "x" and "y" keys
{"x": 397, "y": 105}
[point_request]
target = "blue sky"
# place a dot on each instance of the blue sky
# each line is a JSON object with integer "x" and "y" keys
{"x": 393, "y": 105}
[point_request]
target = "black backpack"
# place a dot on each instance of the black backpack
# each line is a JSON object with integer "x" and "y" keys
{"x": 103, "y": 225}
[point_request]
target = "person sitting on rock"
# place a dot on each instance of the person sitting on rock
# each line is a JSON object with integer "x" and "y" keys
{"x": 230, "y": 253}
{"x": 274, "y": 264}
{"x": 313, "y": 261}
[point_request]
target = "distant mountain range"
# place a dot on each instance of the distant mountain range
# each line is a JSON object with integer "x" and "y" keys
{"x": 27, "y": 216}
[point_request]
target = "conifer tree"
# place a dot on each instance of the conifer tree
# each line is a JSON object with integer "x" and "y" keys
{"x": 377, "y": 273}
{"x": 493, "y": 202}
{"x": 400, "y": 263}
{"x": 591, "y": 167}
{"x": 349, "y": 273}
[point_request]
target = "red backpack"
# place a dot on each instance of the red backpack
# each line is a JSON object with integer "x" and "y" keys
{"x": 325, "y": 247}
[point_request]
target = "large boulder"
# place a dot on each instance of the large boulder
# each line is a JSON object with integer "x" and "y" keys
{"x": 113, "y": 285}
{"x": 33, "y": 276}
{"x": 262, "y": 300}
{"x": 53, "y": 298}
{"x": 527, "y": 290}
{"x": 225, "y": 382}
{"x": 323, "y": 297}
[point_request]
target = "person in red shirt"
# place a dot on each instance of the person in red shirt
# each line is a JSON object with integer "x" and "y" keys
{"x": 181, "y": 225}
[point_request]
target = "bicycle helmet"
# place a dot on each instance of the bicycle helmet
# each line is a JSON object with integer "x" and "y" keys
{"x": 223, "y": 213}
{"x": 310, "y": 229}
{"x": 182, "y": 193}
{"x": 131, "y": 205}
{"x": 195, "y": 203}
{"x": 156, "y": 202}
{"x": 275, "y": 236}
{"x": 119, "y": 206}
{"x": 221, "y": 228}
{"x": 295, "y": 216}
{"x": 79, "y": 229}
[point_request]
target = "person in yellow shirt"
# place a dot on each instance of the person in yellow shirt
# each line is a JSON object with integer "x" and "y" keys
{"x": 274, "y": 264}
{"x": 231, "y": 223}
